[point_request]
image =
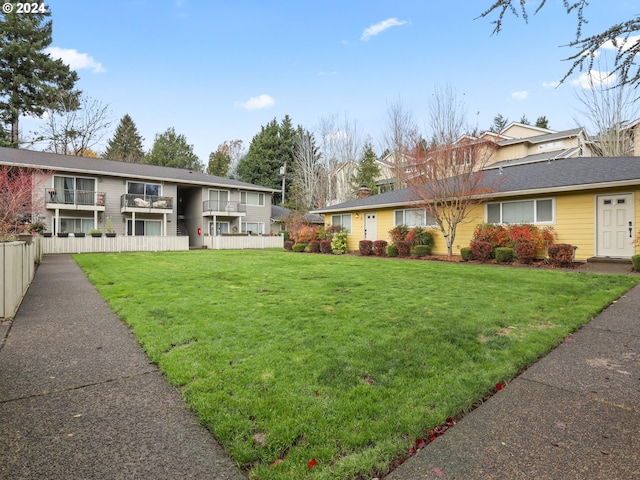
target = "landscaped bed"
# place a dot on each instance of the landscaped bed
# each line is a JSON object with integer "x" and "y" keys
{"x": 321, "y": 366}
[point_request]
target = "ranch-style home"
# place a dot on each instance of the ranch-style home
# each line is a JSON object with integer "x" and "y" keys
{"x": 592, "y": 203}
{"x": 79, "y": 194}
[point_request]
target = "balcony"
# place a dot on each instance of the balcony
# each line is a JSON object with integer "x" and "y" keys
{"x": 58, "y": 198}
{"x": 223, "y": 209}
{"x": 145, "y": 203}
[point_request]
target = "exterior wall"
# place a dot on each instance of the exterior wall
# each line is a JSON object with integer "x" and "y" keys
{"x": 522, "y": 131}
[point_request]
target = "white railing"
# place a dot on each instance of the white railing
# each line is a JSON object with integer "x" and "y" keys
{"x": 17, "y": 268}
{"x": 242, "y": 242}
{"x": 104, "y": 244}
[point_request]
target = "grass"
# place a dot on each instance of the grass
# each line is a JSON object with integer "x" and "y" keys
{"x": 346, "y": 360}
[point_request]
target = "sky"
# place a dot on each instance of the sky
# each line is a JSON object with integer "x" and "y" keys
{"x": 218, "y": 70}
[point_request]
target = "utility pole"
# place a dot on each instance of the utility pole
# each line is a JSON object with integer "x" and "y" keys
{"x": 283, "y": 172}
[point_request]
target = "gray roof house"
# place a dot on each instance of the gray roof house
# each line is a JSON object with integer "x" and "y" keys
{"x": 80, "y": 194}
{"x": 591, "y": 202}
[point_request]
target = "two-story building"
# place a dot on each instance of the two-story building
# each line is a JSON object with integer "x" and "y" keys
{"x": 80, "y": 194}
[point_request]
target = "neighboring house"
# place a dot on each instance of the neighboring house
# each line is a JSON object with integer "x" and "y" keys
{"x": 592, "y": 203}
{"x": 82, "y": 194}
{"x": 279, "y": 214}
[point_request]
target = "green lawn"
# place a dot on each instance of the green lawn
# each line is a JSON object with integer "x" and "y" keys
{"x": 341, "y": 359}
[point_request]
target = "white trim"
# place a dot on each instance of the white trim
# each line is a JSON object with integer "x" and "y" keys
{"x": 535, "y": 210}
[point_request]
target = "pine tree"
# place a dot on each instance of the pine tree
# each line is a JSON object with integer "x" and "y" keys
{"x": 368, "y": 170}
{"x": 29, "y": 77}
{"x": 219, "y": 163}
{"x": 126, "y": 144}
{"x": 172, "y": 150}
{"x": 542, "y": 122}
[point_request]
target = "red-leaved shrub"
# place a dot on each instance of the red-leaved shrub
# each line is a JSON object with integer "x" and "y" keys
{"x": 325, "y": 246}
{"x": 525, "y": 252}
{"x": 365, "y": 247}
{"x": 314, "y": 246}
{"x": 380, "y": 248}
{"x": 481, "y": 250}
{"x": 288, "y": 245}
{"x": 404, "y": 248}
{"x": 561, "y": 254}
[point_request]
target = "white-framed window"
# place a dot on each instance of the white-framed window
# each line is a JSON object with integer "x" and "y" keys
{"x": 253, "y": 227}
{"x": 413, "y": 217}
{"x": 537, "y": 211}
{"x": 149, "y": 228}
{"x": 74, "y": 190}
{"x": 71, "y": 225}
{"x": 218, "y": 200}
{"x": 342, "y": 220}
{"x": 252, "y": 198}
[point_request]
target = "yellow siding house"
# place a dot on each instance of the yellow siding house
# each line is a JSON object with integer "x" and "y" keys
{"x": 592, "y": 203}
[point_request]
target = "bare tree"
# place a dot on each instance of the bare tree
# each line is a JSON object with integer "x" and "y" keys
{"x": 340, "y": 144}
{"x": 606, "y": 108}
{"x": 21, "y": 196}
{"x": 446, "y": 173}
{"x": 74, "y": 125}
{"x": 400, "y": 131}
{"x": 309, "y": 175}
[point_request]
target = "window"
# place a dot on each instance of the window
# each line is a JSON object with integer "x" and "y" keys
{"x": 74, "y": 190}
{"x": 218, "y": 200}
{"x": 252, "y": 198}
{"x": 413, "y": 217}
{"x": 343, "y": 221}
{"x": 146, "y": 189}
{"x": 526, "y": 211}
{"x": 253, "y": 227}
{"x": 146, "y": 227}
{"x": 71, "y": 225}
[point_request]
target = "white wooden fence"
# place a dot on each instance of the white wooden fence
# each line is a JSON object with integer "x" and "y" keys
{"x": 17, "y": 268}
{"x": 242, "y": 242}
{"x": 89, "y": 244}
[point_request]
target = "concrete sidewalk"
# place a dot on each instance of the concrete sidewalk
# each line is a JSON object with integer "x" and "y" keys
{"x": 575, "y": 414}
{"x": 80, "y": 400}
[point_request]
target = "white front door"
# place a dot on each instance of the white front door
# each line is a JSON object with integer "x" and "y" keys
{"x": 615, "y": 225}
{"x": 370, "y": 226}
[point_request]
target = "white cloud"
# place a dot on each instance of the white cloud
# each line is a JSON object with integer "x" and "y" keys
{"x": 623, "y": 44}
{"x": 521, "y": 95}
{"x": 257, "y": 103}
{"x": 75, "y": 59}
{"x": 374, "y": 30}
{"x": 594, "y": 78}
{"x": 551, "y": 84}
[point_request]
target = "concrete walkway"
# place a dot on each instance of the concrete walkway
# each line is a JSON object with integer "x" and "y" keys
{"x": 79, "y": 399}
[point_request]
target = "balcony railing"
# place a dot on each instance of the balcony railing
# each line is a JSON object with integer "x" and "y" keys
{"x": 223, "y": 207}
{"x": 75, "y": 197}
{"x": 146, "y": 201}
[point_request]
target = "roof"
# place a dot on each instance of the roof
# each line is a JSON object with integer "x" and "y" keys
{"x": 100, "y": 166}
{"x": 278, "y": 214}
{"x": 567, "y": 174}
{"x": 539, "y": 157}
{"x": 549, "y": 137}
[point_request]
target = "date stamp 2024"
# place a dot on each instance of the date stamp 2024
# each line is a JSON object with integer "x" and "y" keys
{"x": 31, "y": 7}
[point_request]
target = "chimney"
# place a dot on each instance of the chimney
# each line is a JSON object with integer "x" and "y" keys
{"x": 364, "y": 192}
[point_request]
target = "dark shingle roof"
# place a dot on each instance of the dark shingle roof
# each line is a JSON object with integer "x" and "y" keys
{"x": 549, "y": 137}
{"x": 100, "y": 166}
{"x": 541, "y": 177}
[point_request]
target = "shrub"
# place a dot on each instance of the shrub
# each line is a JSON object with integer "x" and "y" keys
{"x": 504, "y": 254}
{"x": 422, "y": 250}
{"x": 325, "y": 246}
{"x": 288, "y": 245}
{"x": 561, "y": 254}
{"x": 420, "y": 236}
{"x": 339, "y": 242}
{"x": 636, "y": 262}
{"x": 404, "y": 248}
{"x": 481, "y": 250}
{"x": 392, "y": 250}
{"x": 399, "y": 233}
{"x": 525, "y": 252}
{"x": 496, "y": 235}
{"x": 299, "y": 247}
{"x": 380, "y": 248}
{"x": 314, "y": 246}
{"x": 466, "y": 254}
{"x": 366, "y": 247}
{"x": 307, "y": 234}
{"x": 527, "y": 233}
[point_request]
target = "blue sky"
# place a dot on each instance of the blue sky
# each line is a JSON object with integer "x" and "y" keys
{"x": 218, "y": 70}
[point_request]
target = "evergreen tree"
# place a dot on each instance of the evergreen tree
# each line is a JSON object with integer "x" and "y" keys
{"x": 29, "y": 77}
{"x": 172, "y": 150}
{"x": 368, "y": 170}
{"x": 524, "y": 120}
{"x": 126, "y": 144}
{"x": 499, "y": 122}
{"x": 269, "y": 150}
{"x": 542, "y": 122}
